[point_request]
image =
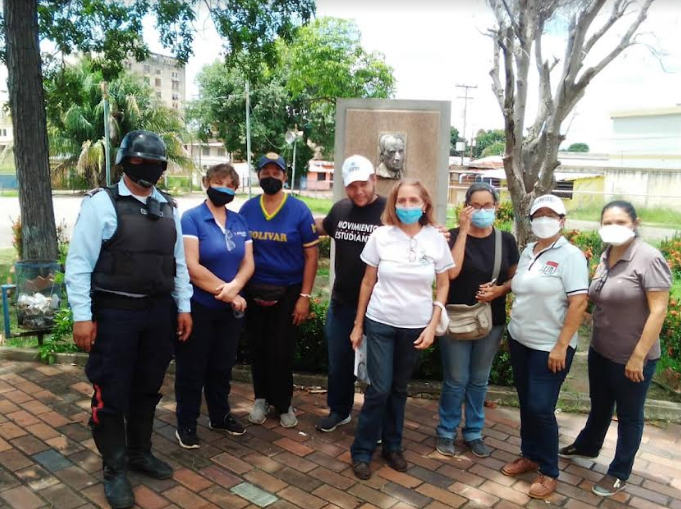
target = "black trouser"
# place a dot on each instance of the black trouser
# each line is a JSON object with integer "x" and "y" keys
{"x": 205, "y": 361}
{"x": 131, "y": 353}
{"x": 271, "y": 333}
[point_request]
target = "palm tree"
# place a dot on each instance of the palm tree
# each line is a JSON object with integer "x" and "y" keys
{"x": 75, "y": 120}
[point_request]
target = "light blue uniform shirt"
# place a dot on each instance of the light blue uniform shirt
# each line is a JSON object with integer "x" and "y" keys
{"x": 97, "y": 223}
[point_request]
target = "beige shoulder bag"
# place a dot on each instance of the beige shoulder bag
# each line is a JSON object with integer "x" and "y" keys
{"x": 474, "y": 322}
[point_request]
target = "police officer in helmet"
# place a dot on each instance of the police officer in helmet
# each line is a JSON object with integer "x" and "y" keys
{"x": 129, "y": 289}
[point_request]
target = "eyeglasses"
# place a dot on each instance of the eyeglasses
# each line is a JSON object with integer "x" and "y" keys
{"x": 487, "y": 209}
{"x": 601, "y": 283}
{"x": 229, "y": 240}
{"x": 412, "y": 250}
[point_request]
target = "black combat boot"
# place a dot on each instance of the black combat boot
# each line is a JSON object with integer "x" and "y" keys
{"x": 109, "y": 435}
{"x": 140, "y": 426}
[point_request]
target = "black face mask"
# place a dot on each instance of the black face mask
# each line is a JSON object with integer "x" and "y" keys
{"x": 270, "y": 185}
{"x": 219, "y": 198}
{"x": 146, "y": 175}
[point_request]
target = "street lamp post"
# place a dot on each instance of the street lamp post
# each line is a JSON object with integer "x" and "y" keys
{"x": 293, "y": 137}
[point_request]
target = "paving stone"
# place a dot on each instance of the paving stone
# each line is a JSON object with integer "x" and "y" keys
{"x": 253, "y": 494}
{"x": 52, "y": 460}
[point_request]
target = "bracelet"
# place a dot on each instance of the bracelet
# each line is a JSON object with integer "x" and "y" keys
{"x": 440, "y": 305}
{"x": 306, "y": 295}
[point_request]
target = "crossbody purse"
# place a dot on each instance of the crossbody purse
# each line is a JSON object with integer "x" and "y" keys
{"x": 469, "y": 323}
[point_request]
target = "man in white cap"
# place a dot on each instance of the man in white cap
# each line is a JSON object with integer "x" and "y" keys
{"x": 349, "y": 223}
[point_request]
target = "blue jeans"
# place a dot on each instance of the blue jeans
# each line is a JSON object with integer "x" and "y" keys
{"x": 391, "y": 359}
{"x": 608, "y": 386}
{"x": 465, "y": 367}
{"x": 538, "y": 389}
{"x": 341, "y": 387}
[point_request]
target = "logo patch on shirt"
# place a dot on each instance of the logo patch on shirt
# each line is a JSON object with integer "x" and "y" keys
{"x": 549, "y": 268}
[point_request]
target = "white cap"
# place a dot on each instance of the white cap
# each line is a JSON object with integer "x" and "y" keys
{"x": 356, "y": 168}
{"x": 548, "y": 201}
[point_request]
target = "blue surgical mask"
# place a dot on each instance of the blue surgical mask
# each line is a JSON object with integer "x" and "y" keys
{"x": 409, "y": 215}
{"x": 483, "y": 218}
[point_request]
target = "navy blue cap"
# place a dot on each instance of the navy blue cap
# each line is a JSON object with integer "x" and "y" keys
{"x": 272, "y": 158}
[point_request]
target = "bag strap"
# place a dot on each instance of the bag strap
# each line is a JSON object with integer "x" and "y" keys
{"x": 497, "y": 253}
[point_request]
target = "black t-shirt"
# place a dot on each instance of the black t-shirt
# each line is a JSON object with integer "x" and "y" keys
{"x": 350, "y": 227}
{"x": 478, "y": 265}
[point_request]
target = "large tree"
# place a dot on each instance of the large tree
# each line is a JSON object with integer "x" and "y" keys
{"x": 325, "y": 61}
{"x": 112, "y": 29}
{"x": 38, "y": 230}
{"x": 592, "y": 43}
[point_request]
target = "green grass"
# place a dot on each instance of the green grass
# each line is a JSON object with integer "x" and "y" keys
{"x": 320, "y": 206}
{"x": 648, "y": 215}
{"x": 7, "y": 167}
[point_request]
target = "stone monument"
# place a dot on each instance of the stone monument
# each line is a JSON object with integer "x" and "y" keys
{"x": 402, "y": 138}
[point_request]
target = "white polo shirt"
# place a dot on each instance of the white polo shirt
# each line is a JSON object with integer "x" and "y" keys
{"x": 403, "y": 294}
{"x": 541, "y": 287}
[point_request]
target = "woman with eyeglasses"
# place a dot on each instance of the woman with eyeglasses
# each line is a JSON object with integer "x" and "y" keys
{"x": 397, "y": 315}
{"x": 467, "y": 363}
{"x": 549, "y": 300}
{"x": 219, "y": 255}
{"x": 630, "y": 293}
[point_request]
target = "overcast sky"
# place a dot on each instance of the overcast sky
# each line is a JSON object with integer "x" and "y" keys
{"x": 433, "y": 45}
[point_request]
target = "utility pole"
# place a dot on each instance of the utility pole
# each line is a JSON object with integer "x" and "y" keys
{"x": 248, "y": 135}
{"x": 107, "y": 137}
{"x": 465, "y": 111}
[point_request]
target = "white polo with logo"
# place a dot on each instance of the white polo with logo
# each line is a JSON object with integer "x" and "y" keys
{"x": 541, "y": 288}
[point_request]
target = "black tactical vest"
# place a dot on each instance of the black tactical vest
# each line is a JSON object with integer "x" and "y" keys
{"x": 139, "y": 258}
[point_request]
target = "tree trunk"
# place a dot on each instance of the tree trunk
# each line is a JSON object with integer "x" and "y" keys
{"x": 27, "y": 105}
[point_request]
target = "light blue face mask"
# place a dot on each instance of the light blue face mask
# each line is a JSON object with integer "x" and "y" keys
{"x": 483, "y": 218}
{"x": 226, "y": 190}
{"x": 409, "y": 215}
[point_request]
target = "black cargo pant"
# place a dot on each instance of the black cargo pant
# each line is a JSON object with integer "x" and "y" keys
{"x": 131, "y": 353}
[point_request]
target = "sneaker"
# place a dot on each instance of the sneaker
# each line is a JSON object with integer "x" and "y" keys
{"x": 479, "y": 448}
{"x": 187, "y": 438}
{"x": 361, "y": 470}
{"x": 445, "y": 446}
{"x": 396, "y": 460}
{"x": 570, "y": 451}
{"x": 229, "y": 424}
{"x": 259, "y": 412}
{"x": 332, "y": 421}
{"x": 288, "y": 419}
{"x": 519, "y": 466}
{"x": 543, "y": 487}
{"x": 608, "y": 486}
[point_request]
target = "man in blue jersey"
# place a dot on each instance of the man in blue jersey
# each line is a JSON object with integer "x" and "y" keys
{"x": 129, "y": 289}
{"x": 278, "y": 295}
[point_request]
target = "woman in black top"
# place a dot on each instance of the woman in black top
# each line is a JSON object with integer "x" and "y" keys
{"x": 467, "y": 364}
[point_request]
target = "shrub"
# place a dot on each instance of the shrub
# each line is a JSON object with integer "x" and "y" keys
{"x": 590, "y": 243}
{"x": 310, "y": 354}
{"x": 325, "y": 247}
{"x": 671, "y": 250}
{"x": 670, "y": 338}
{"x": 61, "y": 339}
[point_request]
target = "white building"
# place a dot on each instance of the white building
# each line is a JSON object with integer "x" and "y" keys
{"x": 166, "y": 75}
{"x": 649, "y": 138}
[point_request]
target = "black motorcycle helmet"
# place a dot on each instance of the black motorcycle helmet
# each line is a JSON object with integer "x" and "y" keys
{"x": 143, "y": 144}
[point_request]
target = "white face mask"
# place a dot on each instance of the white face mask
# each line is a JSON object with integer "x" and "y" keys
{"x": 616, "y": 234}
{"x": 545, "y": 227}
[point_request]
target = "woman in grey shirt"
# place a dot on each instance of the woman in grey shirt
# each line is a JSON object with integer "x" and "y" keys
{"x": 630, "y": 292}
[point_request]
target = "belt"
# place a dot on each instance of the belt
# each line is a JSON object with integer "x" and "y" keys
{"x": 116, "y": 301}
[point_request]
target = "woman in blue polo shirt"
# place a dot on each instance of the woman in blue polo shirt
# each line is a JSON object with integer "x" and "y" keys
{"x": 285, "y": 252}
{"x": 219, "y": 255}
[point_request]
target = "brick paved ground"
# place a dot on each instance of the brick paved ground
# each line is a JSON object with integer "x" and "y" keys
{"x": 48, "y": 459}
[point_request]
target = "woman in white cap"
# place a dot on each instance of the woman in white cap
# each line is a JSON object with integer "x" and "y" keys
{"x": 550, "y": 288}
